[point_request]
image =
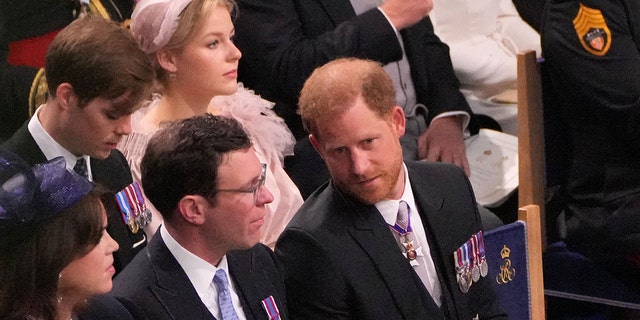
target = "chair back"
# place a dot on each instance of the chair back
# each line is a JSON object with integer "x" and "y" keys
{"x": 531, "y": 155}
{"x": 514, "y": 255}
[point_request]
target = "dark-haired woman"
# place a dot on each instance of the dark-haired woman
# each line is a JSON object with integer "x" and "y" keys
{"x": 55, "y": 253}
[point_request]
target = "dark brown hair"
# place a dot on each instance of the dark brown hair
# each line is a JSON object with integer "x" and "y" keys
{"x": 183, "y": 159}
{"x": 33, "y": 255}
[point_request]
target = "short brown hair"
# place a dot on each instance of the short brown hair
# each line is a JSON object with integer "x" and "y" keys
{"x": 333, "y": 88}
{"x": 98, "y": 59}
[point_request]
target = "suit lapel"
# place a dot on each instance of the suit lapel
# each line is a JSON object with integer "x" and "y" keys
{"x": 23, "y": 145}
{"x": 252, "y": 284}
{"x": 372, "y": 233}
{"x": 249, "y": 287}
{"x": 173, "y": 288}
{"x": 104, "y": 171}
{"x": 439, "y": 228}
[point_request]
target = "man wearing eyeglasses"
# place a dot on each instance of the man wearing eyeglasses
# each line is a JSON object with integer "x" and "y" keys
{"x": 206, "y": 181}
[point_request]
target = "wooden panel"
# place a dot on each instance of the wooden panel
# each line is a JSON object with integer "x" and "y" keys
{"x": 531, "y": 165}
{"x": 530, "y": 214}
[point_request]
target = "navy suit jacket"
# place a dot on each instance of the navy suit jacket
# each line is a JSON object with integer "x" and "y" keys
{"x": 112, "y": 173}
{"x": 157, "y": 286}
{"x": 342, "y": 262}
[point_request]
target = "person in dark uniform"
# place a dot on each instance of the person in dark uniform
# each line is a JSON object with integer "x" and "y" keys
{"x": 592, "y": 59}
{"x": 26, "y": 29}
{"x": 98, "y": 76}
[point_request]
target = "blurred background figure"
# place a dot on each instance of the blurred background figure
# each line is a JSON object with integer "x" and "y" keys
{"x": 55, "y": 252}
{"x": 484, "y": 38}
{"x": 592, "y": 56}
{"x": 26, "y": 29}
{"x": 190, "y": 43}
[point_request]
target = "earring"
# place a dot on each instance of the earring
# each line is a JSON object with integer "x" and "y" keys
{"x": 172, "y": 76}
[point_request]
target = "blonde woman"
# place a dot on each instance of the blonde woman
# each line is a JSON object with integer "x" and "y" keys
{"x": 196, "y": 60}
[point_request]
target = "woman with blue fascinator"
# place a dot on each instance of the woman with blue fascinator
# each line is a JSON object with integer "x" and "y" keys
{"x": 55, "y": 253}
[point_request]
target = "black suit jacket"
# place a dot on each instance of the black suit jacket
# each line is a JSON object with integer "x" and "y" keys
{"x": 157, "y": 286}
{"x": 342, "y": 261}
{"x": 283, "y": 41}
{"x": 112, "y": 173}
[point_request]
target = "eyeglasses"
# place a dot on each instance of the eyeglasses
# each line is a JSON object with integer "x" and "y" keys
{"x": 255, "y": 189}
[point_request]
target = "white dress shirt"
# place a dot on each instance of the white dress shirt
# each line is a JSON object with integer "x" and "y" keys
{"x": 201, "y": 274}
{"x": 51, "y": 148}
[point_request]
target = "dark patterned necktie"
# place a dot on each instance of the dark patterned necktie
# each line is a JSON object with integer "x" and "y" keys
{"x": 81, "y": 167}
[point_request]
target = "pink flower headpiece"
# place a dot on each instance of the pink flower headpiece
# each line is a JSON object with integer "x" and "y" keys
{"x": 153, "y": 22}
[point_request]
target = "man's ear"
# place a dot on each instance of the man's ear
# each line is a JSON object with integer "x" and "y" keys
{"x": 316, "y": 145}
{"x": 66, "y": 96}
{"x": 399, "y": 120}
{"x": 167, "y": 59}
{"x": 192, "y": 208}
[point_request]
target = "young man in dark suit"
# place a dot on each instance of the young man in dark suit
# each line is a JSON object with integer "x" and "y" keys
{"x": 205, "y": 261}
{"x": 348, "y": 253}
{"x": 97, "y": 77}
{"x": 26, "y": 29}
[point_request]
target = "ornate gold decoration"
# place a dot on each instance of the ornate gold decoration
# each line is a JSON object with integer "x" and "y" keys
{"x": 506, "y": 274}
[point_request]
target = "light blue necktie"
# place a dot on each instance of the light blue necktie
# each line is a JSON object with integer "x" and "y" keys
{"x": 224, "y": 296}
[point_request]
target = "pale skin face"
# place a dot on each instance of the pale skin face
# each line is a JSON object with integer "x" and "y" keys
{"x": 362, "y": 152}
{"x": 234, "y": 220}
{"x": 208, "y": 64}
{"x": 91, "y": 274}
{"x": 93, "y": 130}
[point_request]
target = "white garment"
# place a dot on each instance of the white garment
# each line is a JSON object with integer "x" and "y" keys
{"x": 484, "y": 38}
{"x": 271, "y": 139}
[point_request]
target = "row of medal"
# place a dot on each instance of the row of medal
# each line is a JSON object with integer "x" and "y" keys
{"x": 135, "y": 213}
{"x": 471, "y": 262}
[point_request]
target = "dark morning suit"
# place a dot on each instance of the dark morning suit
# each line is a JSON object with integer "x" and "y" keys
{"x": 112, "y": 173}
{"x": 342, "y": 262}
{"x": 283, "y": 41}
{"x": 157, "y": 286}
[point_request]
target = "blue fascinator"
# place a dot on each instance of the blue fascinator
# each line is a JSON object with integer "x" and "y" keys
{"x": 32, "y": 194}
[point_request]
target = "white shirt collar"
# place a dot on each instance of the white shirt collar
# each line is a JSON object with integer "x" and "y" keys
{"x": 50, "y": 147}
{"x": 389, "y": 208}
{"x": 199, "y": 271}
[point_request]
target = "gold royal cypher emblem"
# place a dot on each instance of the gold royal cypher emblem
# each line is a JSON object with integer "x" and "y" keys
{"x": 592, "y": 30}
